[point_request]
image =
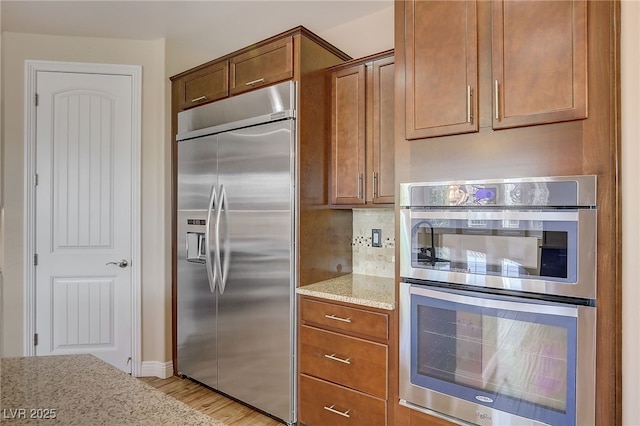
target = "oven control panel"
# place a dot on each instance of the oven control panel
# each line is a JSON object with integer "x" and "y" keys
{"x": 572, "y": 191}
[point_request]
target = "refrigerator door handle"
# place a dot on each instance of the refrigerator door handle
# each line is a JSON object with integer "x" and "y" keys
{"x": 212, "y": 273}
{"x": 227, "y": 244}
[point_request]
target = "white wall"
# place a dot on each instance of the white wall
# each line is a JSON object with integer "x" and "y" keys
{"x": 16, "y": 48}
{"x": 365, "y": 36}
{"x": 630, "y": 70}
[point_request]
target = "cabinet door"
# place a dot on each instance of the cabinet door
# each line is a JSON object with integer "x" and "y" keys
{"x": 348, "y": 135}
{"x": 441, "y": 68}
{"x": 322, "y": 403}
{"x": 348, "y": 361}
{"x": 205, "y": 85}
{"x": 346, "y": 319}
{"x": 539, "y": 62}
{"x": 382, "y": 172}
{"x": 262, "y": 66}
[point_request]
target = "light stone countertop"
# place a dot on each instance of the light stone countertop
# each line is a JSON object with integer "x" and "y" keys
{"x": 365, "y": 290}
{"x": 84, "y": 390}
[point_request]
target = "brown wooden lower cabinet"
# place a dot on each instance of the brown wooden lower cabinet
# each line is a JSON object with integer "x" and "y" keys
{"x": 345, "y": 360}
{"x": 323, "y": 403}
{"x": 343, "y": 364}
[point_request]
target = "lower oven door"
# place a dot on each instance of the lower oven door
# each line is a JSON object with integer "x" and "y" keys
{"x": 496, "y": 360}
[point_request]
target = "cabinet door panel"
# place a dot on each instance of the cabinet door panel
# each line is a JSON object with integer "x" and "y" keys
{"x": 262, "y": 66}
{"x": 348, "y": 361}
{"x": 539, "y": 62}
{"x": 383, "y": 173}
{"x": 348, "y": 135}
{"x": 344, "y": 318}
{"x": 205, "y": 85}
{"x": 441, "y": 68}
{"x": 323, "y": 403}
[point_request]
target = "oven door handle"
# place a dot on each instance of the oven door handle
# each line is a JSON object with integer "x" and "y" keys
{"x": 560, "y": 215}
{"x": 495, "y": 302}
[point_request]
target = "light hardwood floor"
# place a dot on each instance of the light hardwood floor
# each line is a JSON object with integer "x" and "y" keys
{"x": 211, "y": 403}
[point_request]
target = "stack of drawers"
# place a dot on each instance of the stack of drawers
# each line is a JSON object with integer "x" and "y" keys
{"x": 344, "y": 356}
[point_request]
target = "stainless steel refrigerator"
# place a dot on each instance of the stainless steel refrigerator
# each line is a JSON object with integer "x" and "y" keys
{"x": 235, "y": 247}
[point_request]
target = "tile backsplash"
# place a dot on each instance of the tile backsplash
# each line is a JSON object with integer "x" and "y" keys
{"x": 368, "y": 260}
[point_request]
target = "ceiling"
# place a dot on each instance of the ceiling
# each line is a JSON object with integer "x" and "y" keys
{"x": 215, "y": 26}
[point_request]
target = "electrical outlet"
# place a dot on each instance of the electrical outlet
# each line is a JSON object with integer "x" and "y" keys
{"x": 376, "y": 238}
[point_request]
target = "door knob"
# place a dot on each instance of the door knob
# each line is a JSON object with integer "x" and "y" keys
{"x": 123, "y": 263}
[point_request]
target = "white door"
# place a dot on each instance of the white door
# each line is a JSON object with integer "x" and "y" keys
{"x": 83, "y": 215}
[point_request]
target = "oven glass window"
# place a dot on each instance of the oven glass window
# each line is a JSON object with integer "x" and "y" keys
{"x": 520, "y": 361}
{"x": 508, "y": 248}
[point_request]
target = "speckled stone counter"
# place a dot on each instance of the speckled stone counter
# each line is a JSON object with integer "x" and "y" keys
{"x": 83, "y": 390}
{"x": 366, "y": 290}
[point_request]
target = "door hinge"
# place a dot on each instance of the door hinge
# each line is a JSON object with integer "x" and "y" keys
{"x": 35, "y": 259}
{"x": 36, "y": 99}
{"x": 35, "y": 179}
{"x": 35, "y": 339}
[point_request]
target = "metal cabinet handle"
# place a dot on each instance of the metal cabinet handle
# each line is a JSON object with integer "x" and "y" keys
{"x": 122, "y": 264}
{"x": 199, "y": 98}
{"x": 374, "y": 184}
{"x": 333, "y": 410}
{"x": 468, "y": 104}
{"x": 495, "y": 95}
{"x": 359, "y": 185}
{"x": 333, "y": 357}
{"x": 333, "y": 317}
{"x": 251, "y": 83}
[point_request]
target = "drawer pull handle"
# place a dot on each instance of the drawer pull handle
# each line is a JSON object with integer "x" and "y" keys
{"x": 199, "y": 98}
{"x": 251, "y": 83}
{"x": 333, "y": 410}
{"x": 335, "y": 358}
{"x": 333, "y": 317}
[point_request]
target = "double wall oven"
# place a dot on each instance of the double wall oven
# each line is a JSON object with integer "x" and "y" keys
{"x": 498, "y": 300}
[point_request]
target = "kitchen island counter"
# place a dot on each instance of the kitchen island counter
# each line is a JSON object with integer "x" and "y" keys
{"x": 365, "y": 290}
{"x": 84, "y": 390}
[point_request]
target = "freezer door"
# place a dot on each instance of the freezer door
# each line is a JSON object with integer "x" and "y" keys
{"x": 255, "y": 321}
{"x": 196, "y": 302}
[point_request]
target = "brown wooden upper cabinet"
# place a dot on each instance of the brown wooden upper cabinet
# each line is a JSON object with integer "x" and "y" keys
{"x": 538, "y": 65}
{"x": 539, "y": 62}
{"x": 204, "y": 85}
{"x": 362, "y": 139}
{"x": 262, "y": 66}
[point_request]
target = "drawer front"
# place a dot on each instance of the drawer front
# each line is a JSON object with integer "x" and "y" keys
{"x": 206, "y": 85}
{"x": 322, "y": 403}
{"x": 349, "y": 361}
{"x": 264, "y": 65}
{"x": 351, "y": 320}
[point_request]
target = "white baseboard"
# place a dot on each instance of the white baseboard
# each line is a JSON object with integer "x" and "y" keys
{"x": 159, "y": 369}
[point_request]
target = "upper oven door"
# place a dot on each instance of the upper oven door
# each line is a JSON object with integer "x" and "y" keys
{"x": 538, "y": 251}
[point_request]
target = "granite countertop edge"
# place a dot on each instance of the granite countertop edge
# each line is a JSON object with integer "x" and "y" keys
{"x": 357, "y": 289}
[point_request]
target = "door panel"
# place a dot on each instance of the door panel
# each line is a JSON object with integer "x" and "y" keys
{"x": 348, "y": 135}
{"x": 441, "y": 69}
{"x": 196, "y": 303}
{"x": 83, "y": 215}
{"x": 254, "y": 312}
